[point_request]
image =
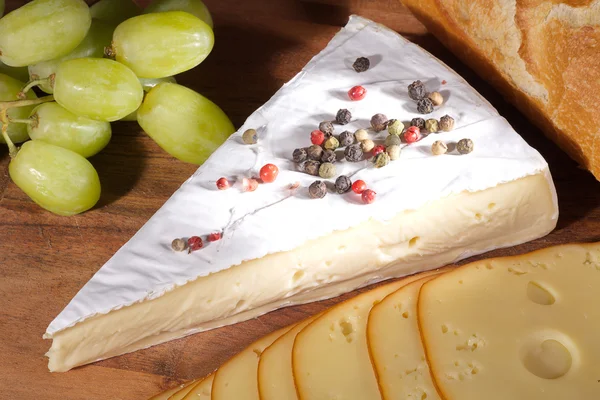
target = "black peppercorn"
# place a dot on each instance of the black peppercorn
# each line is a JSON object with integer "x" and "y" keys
{"x": 416, "y": 90}
{"x": 343, "y": 184}
{"x": 327, "y": 128}
{"x": 361, "y": 64}
{"x": 311, "y": 167}
{"x": 418, "y": 122}
{"x": 464, "y": 146}
{"x": 343, "y": 116}
{"x": 317, "y": 190}
{"x": 314, "y": 152}
{"x": 299, "y": 155}
{"x": 328, "y": 156}
{"x": 353, "y": 153}
{"x": 425, "y": 106}
{"x": 346, "y": 138}
{"x": 379, "y": 122}
{"x": 301, "y": 166}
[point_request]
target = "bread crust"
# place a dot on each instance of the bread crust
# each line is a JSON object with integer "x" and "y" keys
{"x": 542, "y": 55}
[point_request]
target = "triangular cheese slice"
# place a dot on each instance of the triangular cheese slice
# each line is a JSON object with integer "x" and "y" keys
{"x": 279, "y": 246}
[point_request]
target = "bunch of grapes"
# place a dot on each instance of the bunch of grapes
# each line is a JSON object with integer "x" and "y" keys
{"x": 98, "y": 65}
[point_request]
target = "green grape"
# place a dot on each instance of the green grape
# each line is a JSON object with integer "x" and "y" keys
{"x": 98, "y": 37}
{"x": 148, "y": 84}
{"x": 42, "y": 30}
{"x": 57, "y": 179}
{"x": 19, "y": 73}
{"x": 184, "y": 123}
{"x": 195, "y": 7}
{"x": 9, "y": 88}
{"x": 53, "y": 124}
{"x": 114, "y": 11}
{"x": 162, "y": 44}
{"x": 97, "y": 88}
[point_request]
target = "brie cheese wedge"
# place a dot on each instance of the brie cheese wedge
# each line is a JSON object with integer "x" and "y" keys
{"x": 279, "y": 247}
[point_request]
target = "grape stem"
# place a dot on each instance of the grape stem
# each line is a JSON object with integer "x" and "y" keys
{"x": 12, "y": 149}
{"x": 5, "y": 105}
{"x": 20, "y": 121}
{"x": 35, "y": 82}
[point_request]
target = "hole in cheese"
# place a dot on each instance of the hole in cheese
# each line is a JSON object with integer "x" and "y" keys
{"x": 297, "y": 276}
{"x": 405, "y": 314}
{"x": 413, "y": 242}
{"x": 549, "y": 360}
{"x": 347, "y": 330}
{"x": 491, "y": 206}
{"x": 539, "y": 295}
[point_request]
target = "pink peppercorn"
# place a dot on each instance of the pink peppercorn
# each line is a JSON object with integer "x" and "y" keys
{"x": 368, "y": 196}
{"x": 378, "y": 150}
{"x": 195, "y": 243}
{"x": 317, "y": 137}
{"x": 222, "y": 184}
{"x": 412, "y": 134}
{"x": 357, "y": 93}
{"x": 215, "y": 236}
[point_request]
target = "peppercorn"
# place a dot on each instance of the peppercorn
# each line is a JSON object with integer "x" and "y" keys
{"x": 418, "y": 122}
{"x": 416, "y": 90}
{"x": 215, "y": 236}
{"x": 346, "y": 138}
{"x": 250, "y": 136}
{"x": 393, "y": 151}
{"x": 432, "y": 125}
{"x": 249, "y": 184}
{"x": 361, "y": 64}
{"x": 357, "y": 93}
{"x": 194, "y": 243}
{"x": 178, "y": 245}
{"x": 436, "y": 98}
{"x": 343, "y": 184}
{"x": 395, "y": 127}
{"x": 328, "y": 156}
{"x": 438, "y": 147}
{"x": 464, "y": 146}
{"x": 317, "y": 190}
{"x": 343, "y": 116}
{"x": 299, "y": 155}
{"x": 392, "y": 140}
{"x": 222, "y": 183}
{"x": 382, "y": 159}
{"x": 311, "y": 167}
{"x": 377, "y": 149}
{"x": 368, "y": 196}
{"x": 361, "y": 135}
{"x": 446, "y": 123}
{"x": 327, "y": 170}
{"x": 353, "y": 153}
{"x": 301, "y": 166}
{"x": 412, "y": 134}
{"x": 331, "y": 143}
{"x": 314, "y": 152}
{"x": 327, "y": 128}
{"x": 317, "y": 137}
{"x": 379, "y": 122}
{"x": 367, "y": 145}
{"x": 425, "y": 106}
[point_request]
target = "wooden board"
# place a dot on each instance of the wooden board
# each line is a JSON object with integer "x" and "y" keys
{"x": 46, "y": 259}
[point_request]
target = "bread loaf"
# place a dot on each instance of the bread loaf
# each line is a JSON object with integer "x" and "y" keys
{"x": 542, "y": 55}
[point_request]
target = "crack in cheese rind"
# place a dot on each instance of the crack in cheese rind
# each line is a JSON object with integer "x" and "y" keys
{"x": 236, "y": 379}
{"x": 522, "y": 327}
{"x": 437, "y": 234}
{"x": 202, "y": 390}
{"x": 395, "y": 346}
{"x": 330, "y": 357}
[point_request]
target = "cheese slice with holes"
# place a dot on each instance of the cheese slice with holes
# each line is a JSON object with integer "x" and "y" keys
{"x": 168, "y": 394}
{"x": 330, "y": 357}
{"x": 395, "y": 346}
{"x": 523, "y": 327}
{"x": 237, "y": 378}
{"x": 275, "y": 376}
{"x": 202, "y": 390}
{"x": 281, "y": 248}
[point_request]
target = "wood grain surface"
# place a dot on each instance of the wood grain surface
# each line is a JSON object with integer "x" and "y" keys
{"x": 46, "y": 259}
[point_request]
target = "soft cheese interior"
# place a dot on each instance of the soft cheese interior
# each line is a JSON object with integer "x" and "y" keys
{"x": 281, "y": 248}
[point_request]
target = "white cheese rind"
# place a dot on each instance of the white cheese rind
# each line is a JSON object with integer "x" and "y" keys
{"x": 437, "y": 234}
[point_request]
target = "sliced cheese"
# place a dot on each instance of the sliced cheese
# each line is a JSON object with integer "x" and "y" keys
{"x": 330, "y": 358}
{"x": 180, "y": 394}
{"x": 237, "y": 378}
{"x": 395, "y": 346}
{"x": 275, "y": 376}
{"x": 202, "y": 390}
{"x": 524, "y": 327}
{"x": 168, "y": 394}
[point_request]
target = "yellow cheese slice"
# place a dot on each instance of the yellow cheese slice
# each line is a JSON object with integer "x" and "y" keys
{"x": 168, "y": 394}
{"x": 237, "y": 378}
{"x": 275, "y": 377}
{"x": 330, "y": 358}
{"x": 202, "y": 390}
{"x": 524, "y": 327}
{"x": 395, "y": 346}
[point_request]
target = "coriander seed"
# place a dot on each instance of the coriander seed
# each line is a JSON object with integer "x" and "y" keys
{"x": 327, "y": 128}
{"x": 343, "y": 184}
{"x": 464, "y": 146}
{"x": 250, "y": 136}
{"x": 317, "y": 190}
{"x": 424, "y": 106}
{"x": 178, "y": 245}
{"x": 331, "y": 143}
{"x": 346, "y": 138}
{"x": 391, "y": 140}
{"x": 395, "y": 127}
{"x": 438, "y": 147}
{"x": 393, "y": 151}
{"x": 353, "y": 153}
{"x": 379, "y": 122}
{"x": 327, "y": 170}
{"x": 367, "y": 145}
{"x": 436, "y": 98}
{"x": 328, "y": 156}
{"x": 418, "y": 122}
{"x": 446, "y": 123}
{"x": 311, "y": 167}
{"x": 361, "y": 64}
{"x": 432, "y": 125}
{"x": 416, "y": 90}
{"x": 343, "y": 116}
{"x": 314, "y": 152}
{"x": 299, "y": 155}
{"x": 361, "y": 135}
{"x": 382, "y": 159}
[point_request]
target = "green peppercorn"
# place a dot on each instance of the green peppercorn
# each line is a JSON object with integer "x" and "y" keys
{"x": 395, "y": 127}
{"x": 382, "y": 159}
{"x": 314, "y": 152}
{"x": 393, "y": 151}
{"x": 250, "y": 136}
{"x": 464, "y": 146}
{"x": 331, "y": 143}
{"x": 392, "y": 140}
{"x": 446, "y": 123}
{"x": 432, "y": 126}
{"x": 317, "y": 190}
{"x": 327, "y": 170}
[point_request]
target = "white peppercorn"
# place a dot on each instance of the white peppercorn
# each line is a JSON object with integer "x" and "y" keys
{"x": 361, "y": 135}
{"x": 446, "y": 123}
{"x": 464, "y": 146}
{"x": 436, "y": 98}
{"x": 393, "y": 151}
{"x": 438, "y": 147}
{"x": 250, "y": 136}
{"x": 367, "y": 145}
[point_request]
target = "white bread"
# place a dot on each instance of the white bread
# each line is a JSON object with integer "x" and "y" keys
{"x": 542, "y": 55}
